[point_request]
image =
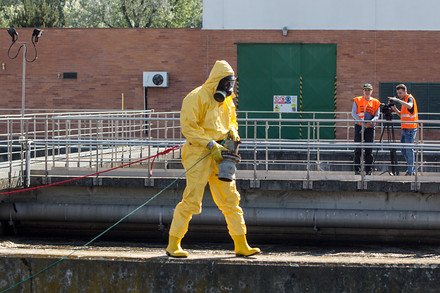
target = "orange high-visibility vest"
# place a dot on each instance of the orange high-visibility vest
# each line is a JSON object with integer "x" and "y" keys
{"x": 405, "y": 115}
{"x": 363, "y": 106}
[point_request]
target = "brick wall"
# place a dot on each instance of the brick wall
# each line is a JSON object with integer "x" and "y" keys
{"x": 111, "y": 61}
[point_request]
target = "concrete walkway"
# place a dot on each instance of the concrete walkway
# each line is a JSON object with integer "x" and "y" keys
{"x": 125, "y": 267}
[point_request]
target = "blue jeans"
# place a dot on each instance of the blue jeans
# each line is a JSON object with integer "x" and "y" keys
{"x": 408, "y": 136}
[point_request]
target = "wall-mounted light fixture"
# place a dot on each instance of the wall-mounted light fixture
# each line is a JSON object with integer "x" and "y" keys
{"x": 285, "y": 30}
{"x": 36, "y": 34}
{"x": 13, "y": 33}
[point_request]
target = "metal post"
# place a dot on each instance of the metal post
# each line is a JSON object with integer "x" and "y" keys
{"x": 317, "y": 150}
{"x": 362, "y": 157}
{"x": 23, "y": 156}
{"x": 279, "y": 126}
{"x": 149, "y": 131}
{"x": 46, "y": 147}
{"x": 307, "y": 182}
{"x": 10, "y": 128}
{"x": 130, "y": 136}
{"x": 99, "y": 136}
{"x": 420, "y": 134}
{"x": 23, "y": 88}
{"x": 165, "y": 164}
{"x": 28, "y": 163}
{"x": 267, "y": 149}
{"x": 67, "y": 136}
{"x": 53, "y": 144}
{"x": 90, "y": 144}
{"x": 246, "y": 126}
{"x": 255, "y": 151}
{"x": 79, "y": 144}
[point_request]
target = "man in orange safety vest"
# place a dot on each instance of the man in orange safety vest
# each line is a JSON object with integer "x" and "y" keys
{"x": 409, "y": 116}
{"x": 364, "y": 108}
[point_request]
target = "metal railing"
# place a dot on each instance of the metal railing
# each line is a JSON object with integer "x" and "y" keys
{"x": 79, "y": 139}
{"x": 97, "y": 140}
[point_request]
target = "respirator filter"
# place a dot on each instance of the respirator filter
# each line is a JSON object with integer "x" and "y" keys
{"x": 225, "y": 88}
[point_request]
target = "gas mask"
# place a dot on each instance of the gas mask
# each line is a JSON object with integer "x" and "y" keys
{"x": 225, "y": 88}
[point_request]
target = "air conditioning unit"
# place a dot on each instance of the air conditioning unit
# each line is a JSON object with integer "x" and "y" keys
{"x": 155, "y": 79}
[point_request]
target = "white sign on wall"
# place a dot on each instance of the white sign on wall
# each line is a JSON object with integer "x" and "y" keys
{"x": 285, "y": 104}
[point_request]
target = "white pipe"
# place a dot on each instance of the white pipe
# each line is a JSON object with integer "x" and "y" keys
{"x": 316, "y": 218}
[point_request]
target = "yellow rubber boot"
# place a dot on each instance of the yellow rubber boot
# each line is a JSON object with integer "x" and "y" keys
{"x": 242, "y": 248}
{"x": 174, "y": 249}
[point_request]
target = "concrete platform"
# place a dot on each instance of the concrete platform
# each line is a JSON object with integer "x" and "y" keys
{"x": 140, "y": 267}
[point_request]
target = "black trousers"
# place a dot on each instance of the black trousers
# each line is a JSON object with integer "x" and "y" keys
{"x": 368, "y": 137}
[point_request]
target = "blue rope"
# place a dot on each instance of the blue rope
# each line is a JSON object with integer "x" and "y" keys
{"x": 108, "y": 229}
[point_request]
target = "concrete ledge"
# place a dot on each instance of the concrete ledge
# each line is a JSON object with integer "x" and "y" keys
{"x": 218, "y": 271}
{"x": 349, "y": 184}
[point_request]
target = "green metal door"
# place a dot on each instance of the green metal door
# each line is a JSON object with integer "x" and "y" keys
{"x": 304, "y": 71}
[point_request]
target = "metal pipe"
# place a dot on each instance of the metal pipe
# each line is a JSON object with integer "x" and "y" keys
{"x": 261, "y": 144}
{"x": 255, "y": 216}
{"x": 23, "y": 88}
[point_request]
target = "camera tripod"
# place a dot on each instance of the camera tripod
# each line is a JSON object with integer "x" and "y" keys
{"x": 389, "y": 128}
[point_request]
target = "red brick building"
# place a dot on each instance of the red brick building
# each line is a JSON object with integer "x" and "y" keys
{"x": 109, "y": 62}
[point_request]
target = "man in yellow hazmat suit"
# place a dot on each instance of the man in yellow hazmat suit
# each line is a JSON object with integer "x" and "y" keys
{"x": 208, "y": 117}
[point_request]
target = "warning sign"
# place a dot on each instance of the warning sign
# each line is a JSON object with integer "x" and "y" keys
{"x": 285, "y": 104}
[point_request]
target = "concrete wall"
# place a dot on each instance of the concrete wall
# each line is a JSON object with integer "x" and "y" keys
{"x": 212, "y": 274}
{"x": 327, "y": 209}
{"x": 322, "y": 14}
{"x": 111, "y": 61}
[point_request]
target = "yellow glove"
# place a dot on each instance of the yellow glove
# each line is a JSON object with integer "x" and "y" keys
{"x": 216, "y": 151}
{"x": 233, "y": 134}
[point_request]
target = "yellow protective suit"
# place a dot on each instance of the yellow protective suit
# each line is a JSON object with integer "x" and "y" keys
{"x": 203, "y": 119}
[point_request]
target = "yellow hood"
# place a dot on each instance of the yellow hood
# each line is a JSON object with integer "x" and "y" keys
{"x": 220, "y": 70}
{"x": 202, "y": 118}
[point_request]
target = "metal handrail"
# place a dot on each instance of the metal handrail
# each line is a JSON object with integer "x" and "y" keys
{"x": 95, "y": 139}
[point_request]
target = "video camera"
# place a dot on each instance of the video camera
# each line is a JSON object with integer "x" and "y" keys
{"x": 387, "y": 110}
